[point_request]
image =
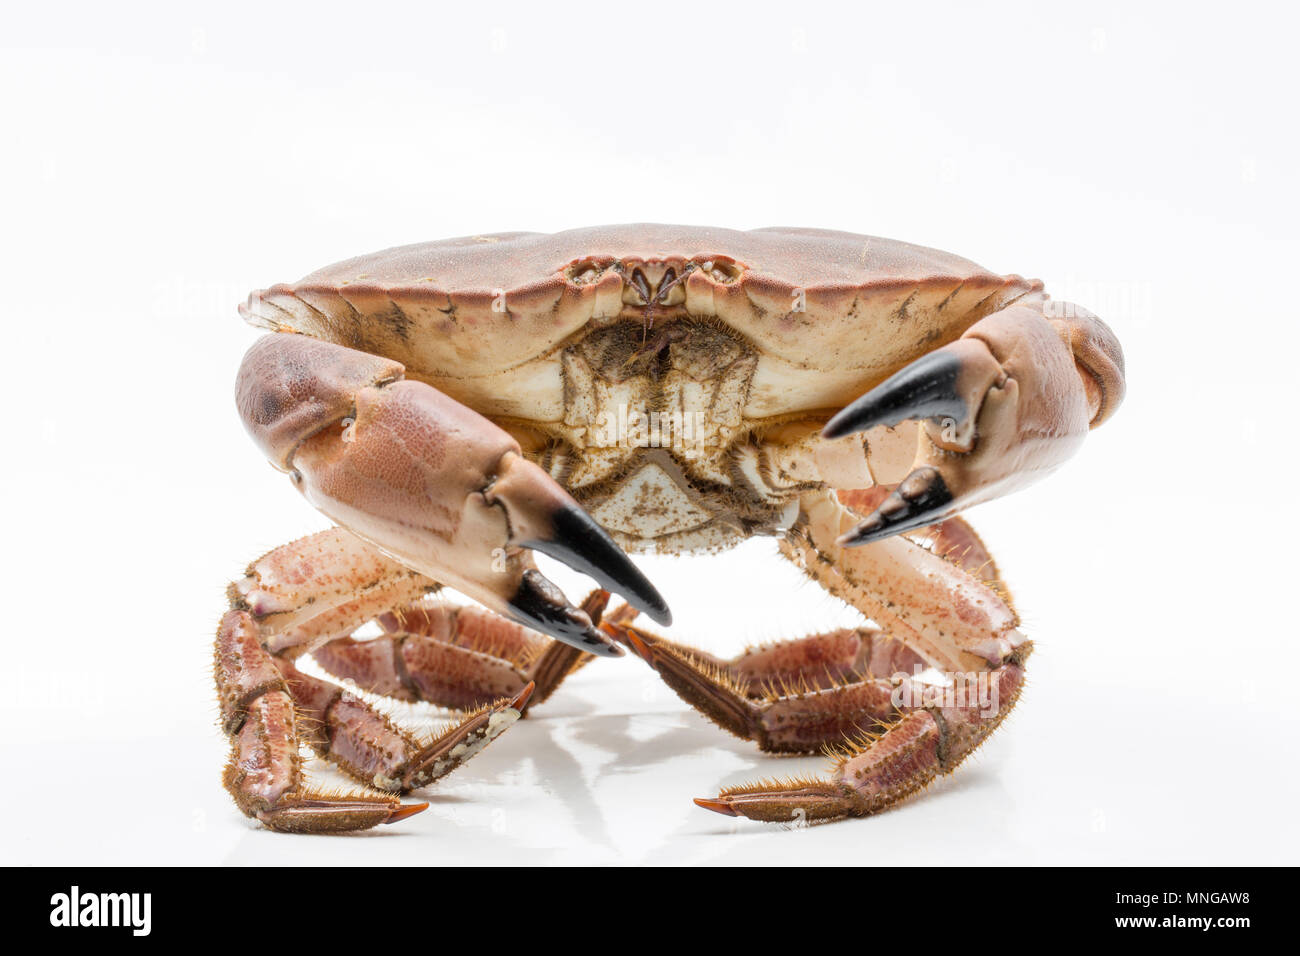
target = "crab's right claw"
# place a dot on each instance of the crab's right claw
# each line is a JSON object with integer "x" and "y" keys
{"x": 430, "y": 482}
{"x": 1003, "y": 405}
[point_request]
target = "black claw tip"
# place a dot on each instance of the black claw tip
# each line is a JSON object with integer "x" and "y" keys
{"x": 540, "y": 605}
{"x": 585, "y": 546}
{"x": 922, "y": 499}
{"x": 927, "y": 388}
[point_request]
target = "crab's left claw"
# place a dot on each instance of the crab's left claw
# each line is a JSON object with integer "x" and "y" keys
{"x": 431, "y": 483}
{"x": 1003, "y": 405}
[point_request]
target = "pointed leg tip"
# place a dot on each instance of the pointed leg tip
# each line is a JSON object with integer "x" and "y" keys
{"x": 520, "y": 701}
{"x": 639, "y": 646}
{"x": 406, "y": 810}
{"x": 717, "y": 806}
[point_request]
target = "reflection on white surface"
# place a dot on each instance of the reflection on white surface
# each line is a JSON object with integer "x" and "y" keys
{"x": 600, "y": 774}
{"x": 1120, "y": 750}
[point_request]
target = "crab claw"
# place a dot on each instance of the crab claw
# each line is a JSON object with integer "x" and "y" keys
{"x": 936, "y": 386}
{"x": 920, "y": 500}
{"x": 430, "y": 482}
{"x": 1002, "y": 406}
{"x": 544, "y": 518}
{"x": 539, "y": 604}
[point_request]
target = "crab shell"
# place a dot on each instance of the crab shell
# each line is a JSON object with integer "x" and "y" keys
{"x": 485, "y": 318}
{"x": 785, "y": 325}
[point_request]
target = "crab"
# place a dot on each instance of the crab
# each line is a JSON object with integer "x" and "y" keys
{"x": 455, "y": 406}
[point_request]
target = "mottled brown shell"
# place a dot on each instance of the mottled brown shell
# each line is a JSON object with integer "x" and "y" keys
{"x": 484, "y": 318}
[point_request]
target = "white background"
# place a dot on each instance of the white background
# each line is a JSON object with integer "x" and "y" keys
{"x": 1142, "y": 159}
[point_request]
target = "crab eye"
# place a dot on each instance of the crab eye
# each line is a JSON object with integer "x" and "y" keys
{"x": 584, "y": 272}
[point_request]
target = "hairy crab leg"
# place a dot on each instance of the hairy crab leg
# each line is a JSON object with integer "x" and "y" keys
{"x": 953, "y": 539}
{"x": 369, "y": 747}
{"x": 951, "y": 620}
{"x": 879, "y": 769}
{"x": 296, "y": 598}
{"x": 792, "y": 697}
{"x": 307, "y": 591}
{"x": 413, "y": 666}
{"x": 265, "y": 774}
{"x": 1004, "y": 404}
{"x": 455, "y": 656}
{"x": 815, "y": 662}
{"x": 431, "y": 482}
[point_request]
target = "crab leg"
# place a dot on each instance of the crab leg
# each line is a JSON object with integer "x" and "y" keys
{"x": 813, "y": 662}
{"x": 264, "y": 774}
{"x": 318, "y": 587}
{"x": 816, "y": 662}
{"x": 456, "y": 657}
{"x": 430, "y": 482}
{"x": 954, "y": 539}
{"x": 369, "y": 747}
{"x": 289, "y": 601}
{"x": 1004, "y": 404}
{"x": 954, "y": 621}
{"x": 878, "y": 770}
{"x": 949, "y": 619}
{"x": 784, "y": 711}
{"x": 806, "y": 694}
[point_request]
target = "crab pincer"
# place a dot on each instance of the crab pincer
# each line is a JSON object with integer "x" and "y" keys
{"x": 1007, "y": 402}
{"x": 431, "y": 483}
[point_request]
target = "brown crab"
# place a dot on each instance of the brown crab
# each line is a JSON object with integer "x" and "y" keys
{"x": 454, "y": 405}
